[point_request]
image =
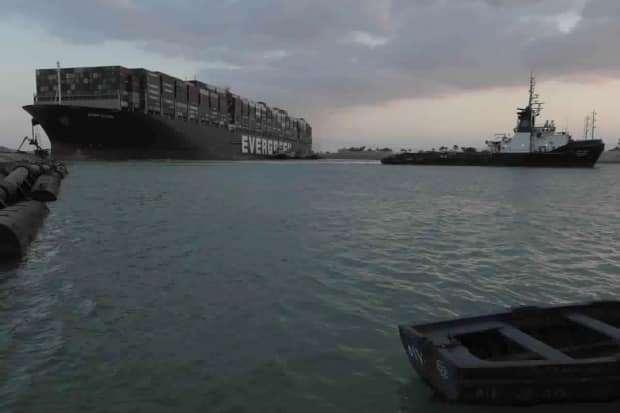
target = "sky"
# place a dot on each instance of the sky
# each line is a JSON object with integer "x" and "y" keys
{"x": 399, "y": 73}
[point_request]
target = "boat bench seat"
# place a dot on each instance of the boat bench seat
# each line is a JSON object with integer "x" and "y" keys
{"x": 596, "y": 325}
{"x": 452, "y": 331}
{"x": 444, "y": 336}
{"x": 530, "y": 343}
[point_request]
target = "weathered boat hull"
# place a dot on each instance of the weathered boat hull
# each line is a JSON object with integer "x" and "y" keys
{"x": 540, "y": 373}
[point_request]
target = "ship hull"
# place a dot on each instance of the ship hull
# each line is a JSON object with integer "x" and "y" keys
{"x": 574, "y": 154}
{"x": 78, "y": 132}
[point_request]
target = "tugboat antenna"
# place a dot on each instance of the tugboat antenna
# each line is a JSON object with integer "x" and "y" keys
{"x": 533, "y": 100}
{"x": 59, "y": 91}
{"x": 532, "y": 86}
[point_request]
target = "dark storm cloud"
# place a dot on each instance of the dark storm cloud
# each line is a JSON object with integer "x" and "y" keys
{"x": 325, "y": 53}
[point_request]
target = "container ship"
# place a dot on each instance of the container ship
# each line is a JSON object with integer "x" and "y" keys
{"x": 530, "y": 145}
{"x": 114, "y": 112}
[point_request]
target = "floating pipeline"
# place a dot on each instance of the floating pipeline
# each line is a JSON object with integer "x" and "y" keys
{"x": 46, "y": 187}
{"x": 28, "y": 182}
{"x": 13, "y": 185}
{"x": 19, "y": 225}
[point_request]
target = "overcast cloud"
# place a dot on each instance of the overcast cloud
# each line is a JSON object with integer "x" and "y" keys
{"x": 352, "y": 52}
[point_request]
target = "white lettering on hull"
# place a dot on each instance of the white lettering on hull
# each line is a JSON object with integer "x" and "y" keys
{"x": 252, "y": 143}
{"x": 261, "y": 146}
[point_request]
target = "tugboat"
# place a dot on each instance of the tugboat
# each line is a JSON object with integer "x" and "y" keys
{"x": 531, "y": 145}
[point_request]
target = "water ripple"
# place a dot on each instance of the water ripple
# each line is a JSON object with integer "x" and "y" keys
{"x": 194, "y": 286}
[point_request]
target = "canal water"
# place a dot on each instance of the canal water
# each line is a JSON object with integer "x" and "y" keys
{"x": 278, "y": 286}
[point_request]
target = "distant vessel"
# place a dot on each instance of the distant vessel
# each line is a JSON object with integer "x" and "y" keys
{"x": 359, "y": 153}
{"x": 612, "y": 155}
{"x": 118, "y": 112}
{"x": 531, "y": 145}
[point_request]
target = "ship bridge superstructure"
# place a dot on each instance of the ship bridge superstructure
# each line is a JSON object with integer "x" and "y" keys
{"x": 528, "y": 137}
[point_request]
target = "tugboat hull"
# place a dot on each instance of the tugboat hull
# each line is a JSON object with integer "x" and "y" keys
{"x": 574, "y": 154}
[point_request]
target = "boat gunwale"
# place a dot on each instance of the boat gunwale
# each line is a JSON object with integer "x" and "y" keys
{"x": 440, "y": 336}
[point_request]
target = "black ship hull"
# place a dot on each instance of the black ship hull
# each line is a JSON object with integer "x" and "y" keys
{"x": 574, "y": 154}
{"x": 78, "y": 132}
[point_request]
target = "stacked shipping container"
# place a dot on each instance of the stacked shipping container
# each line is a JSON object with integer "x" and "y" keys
{"x": 120, "y": 88}
{"x": 167, "y": 94}
{"x": 222, "y": 106}
{"x": 150, "y": 83}
{"x": 245, "y": 121}
{"x": 180, "y": 99}
{"x": 203, "y": 105}
{"x": 104, "y": 86}
{"x": 237, "y": 110}
{"x": 193, "y": 101}
{"x": 132, "y": 87}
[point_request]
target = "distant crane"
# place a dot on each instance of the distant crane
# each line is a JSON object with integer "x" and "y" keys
{"x": 589, "y": 126}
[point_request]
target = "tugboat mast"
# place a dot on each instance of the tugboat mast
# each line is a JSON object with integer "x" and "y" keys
{"x": 59, "y": 85}
{"x": 532, "y": 86}
{"x": 533, "y": 112}
{"x": 593, "y": 124}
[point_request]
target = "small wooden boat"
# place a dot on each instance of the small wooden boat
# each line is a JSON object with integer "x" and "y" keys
{"x": 524, "y": 356}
